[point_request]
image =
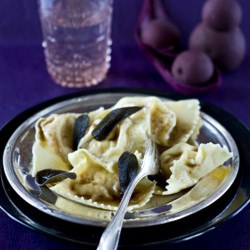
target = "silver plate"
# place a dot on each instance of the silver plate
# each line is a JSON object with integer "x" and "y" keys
{"x": 17, "y": 162}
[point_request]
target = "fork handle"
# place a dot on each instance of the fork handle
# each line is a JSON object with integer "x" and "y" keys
{"x": 111, "y": 235}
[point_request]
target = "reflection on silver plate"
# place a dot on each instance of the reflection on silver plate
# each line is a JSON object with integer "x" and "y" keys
{"x": 17, "y": 162}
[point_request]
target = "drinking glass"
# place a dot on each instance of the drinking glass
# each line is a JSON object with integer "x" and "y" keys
{"x": 77, "y": 40}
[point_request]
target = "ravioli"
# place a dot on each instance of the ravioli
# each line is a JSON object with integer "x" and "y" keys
{"x": 96, "y": 186}
{"x": 202, "y": 190}
{"x": 173, "y": 126}
{"x": 53, "y": 142}
{"x": 185, "y": 165}
{"x": 188, "y": 120}
{"x": 160, "y": 120}
{"x": 154, "y": 120}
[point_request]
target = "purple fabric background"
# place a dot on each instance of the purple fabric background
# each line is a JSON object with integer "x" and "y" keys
{"x": 25, "y": 82}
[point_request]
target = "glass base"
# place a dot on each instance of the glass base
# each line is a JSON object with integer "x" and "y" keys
{"x": 72, "y": 78}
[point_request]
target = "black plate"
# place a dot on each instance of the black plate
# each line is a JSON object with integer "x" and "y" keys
{"x": 232, "y": 202}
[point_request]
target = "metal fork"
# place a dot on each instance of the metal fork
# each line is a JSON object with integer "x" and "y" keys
{"x": 150, "y": 166}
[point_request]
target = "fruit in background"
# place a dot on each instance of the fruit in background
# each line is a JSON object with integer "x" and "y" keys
{"x": 222, "y": 15}
{"x": 226, "y": 49}
{"x": 160, "y": 34}
{"x": 219, "y": 35}
{"x": 193, "y": 68}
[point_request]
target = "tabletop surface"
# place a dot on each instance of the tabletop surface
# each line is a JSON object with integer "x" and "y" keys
{"x": 24, "y": 82}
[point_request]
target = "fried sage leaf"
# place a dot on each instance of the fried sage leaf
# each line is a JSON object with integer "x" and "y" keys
{"x": 79, "y": 129}
{"x": 128, "y": 168}
{"x": 46, "y": 176}
{"x": 104, "y": 128}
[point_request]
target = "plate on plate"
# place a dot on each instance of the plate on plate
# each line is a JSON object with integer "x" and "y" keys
{"x": 17, "y": 197}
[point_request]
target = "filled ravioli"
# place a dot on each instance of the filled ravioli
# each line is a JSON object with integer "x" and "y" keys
{"x": 53, "y": 142}
{"x": 98, "y": 187}
{"x": 184, "y": 165}
{"x": 125, "y": 127}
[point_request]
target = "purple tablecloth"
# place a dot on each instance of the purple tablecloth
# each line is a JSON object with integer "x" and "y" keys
{"x": 25, "y": 82}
